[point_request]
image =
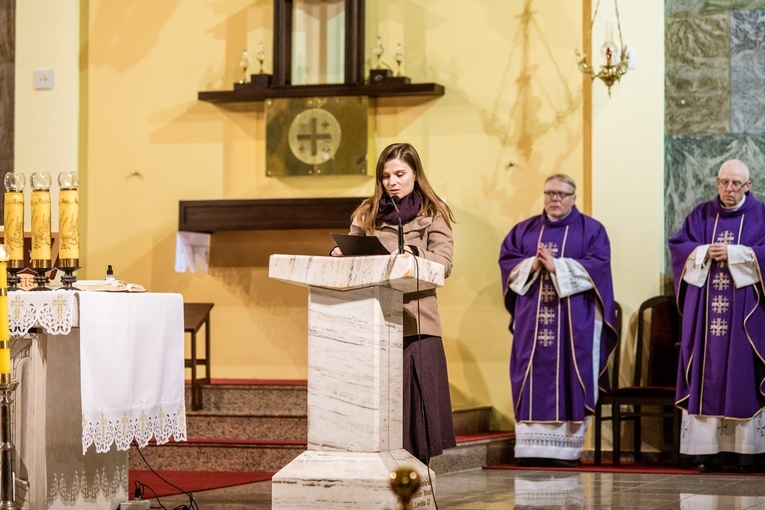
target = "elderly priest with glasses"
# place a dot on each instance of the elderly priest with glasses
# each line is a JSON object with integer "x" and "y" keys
{"x": 717, "y": 260}
{"x": 556, "y": 278}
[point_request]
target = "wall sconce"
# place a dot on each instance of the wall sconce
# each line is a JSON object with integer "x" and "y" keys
{"x": 616, "y": 62}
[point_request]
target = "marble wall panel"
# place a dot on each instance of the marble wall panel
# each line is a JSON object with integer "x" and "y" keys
{"x": 7, "y": 73}
{"x": 711, "y": 5}
{"x": 6, "y": 110}
{"x": 690, "y": 167}
{"x": 697, "y": 76}
{"x": 747, "y": 71}
{"x": 7, "y": 30}
{"x": 684, "y": 5}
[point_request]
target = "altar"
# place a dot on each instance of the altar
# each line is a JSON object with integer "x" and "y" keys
{"x": 97, "y": 371}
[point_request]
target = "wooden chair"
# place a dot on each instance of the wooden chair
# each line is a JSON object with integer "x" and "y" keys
{"x": 605, "y": 397}
{"x": 653, "y": 381}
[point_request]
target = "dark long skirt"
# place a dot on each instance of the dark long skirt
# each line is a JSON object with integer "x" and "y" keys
{"x": 428, "y": 422}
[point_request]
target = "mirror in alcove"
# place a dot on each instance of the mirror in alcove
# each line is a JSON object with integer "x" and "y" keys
{"x": 318, "y": 42}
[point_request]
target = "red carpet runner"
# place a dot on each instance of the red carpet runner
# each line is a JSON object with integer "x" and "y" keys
{"x": 188, "y": 481}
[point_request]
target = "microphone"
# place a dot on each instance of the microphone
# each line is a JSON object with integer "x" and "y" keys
{"x": 395, "y": 199}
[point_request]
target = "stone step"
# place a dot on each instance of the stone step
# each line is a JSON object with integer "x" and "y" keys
{"x": 290, "y": 398}
{"x": 253, "y": 397}
{"x": 470, "y": 420}
{"x": 216, "y": 455}
{"x": 251, "y": 426}
{"x": 262, "y": 425}
{"x": 473, "y": 451}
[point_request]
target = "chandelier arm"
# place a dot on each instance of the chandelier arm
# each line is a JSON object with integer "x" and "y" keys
{"x": 618, "y": 24}
{"x": 592, "y": 23}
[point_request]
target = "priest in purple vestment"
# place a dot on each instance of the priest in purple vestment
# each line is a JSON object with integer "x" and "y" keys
{"x": 556, "y": 278}
{"x": 717, "y": 261}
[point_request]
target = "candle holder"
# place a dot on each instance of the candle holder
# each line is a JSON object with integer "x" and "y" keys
{"x": 68, "y": 267}
{"x": 14, "y": 268}
{"x": 41, "y": 267}
{"x": 244, "y": 63}
{"x": 7, "y": 387}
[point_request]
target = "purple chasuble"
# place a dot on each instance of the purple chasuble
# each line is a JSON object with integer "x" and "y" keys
{"x": 551, "y": 362}
{"x": 721, "y": 370}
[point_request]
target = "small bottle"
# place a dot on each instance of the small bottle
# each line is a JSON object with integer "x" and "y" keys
{"x": 109, "y": 273}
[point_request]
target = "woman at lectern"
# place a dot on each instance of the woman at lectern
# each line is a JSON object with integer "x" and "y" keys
{"x": 403, "y": 201}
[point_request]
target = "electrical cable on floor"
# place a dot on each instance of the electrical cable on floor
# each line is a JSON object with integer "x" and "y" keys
{"x": 139, "y": 489}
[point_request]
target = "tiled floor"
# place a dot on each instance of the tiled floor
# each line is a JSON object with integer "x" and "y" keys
{"x": 496, "y": 489}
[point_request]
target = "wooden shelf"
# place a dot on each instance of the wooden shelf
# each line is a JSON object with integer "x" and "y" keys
{"x": 266, "y": 214}
{"x": 249, "y": 94}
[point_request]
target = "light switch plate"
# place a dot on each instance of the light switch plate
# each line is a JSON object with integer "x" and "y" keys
{"x": 44, "y": 79}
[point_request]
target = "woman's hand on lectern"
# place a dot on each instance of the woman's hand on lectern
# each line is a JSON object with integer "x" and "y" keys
{"x": 336, "y": 252}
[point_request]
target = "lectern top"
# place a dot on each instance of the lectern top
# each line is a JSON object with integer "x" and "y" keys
{"x": 397, "y": 271}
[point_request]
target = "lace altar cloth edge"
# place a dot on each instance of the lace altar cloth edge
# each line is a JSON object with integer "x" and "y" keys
{"x": 161, "y": 416}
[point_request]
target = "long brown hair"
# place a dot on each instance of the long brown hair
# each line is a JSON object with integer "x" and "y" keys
{"x": 432, "y": 205}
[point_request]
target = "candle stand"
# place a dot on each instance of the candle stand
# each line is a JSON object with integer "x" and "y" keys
{"x": 41, "y": 267}
{"x": 7, "y": 387}
{"x": 68, "y": 267}
{"x": 14, "y": 268}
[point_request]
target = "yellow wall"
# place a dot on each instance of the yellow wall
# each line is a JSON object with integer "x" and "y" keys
{"x": 511, "y": 115}
{"x": 628, "y": 160}
{"x": 47, "y": 122}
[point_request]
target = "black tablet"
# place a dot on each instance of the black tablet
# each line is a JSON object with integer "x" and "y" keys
{"x": 359, "y": 245}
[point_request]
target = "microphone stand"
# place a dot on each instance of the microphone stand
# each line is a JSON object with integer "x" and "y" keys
{"x": 395, "y": 199}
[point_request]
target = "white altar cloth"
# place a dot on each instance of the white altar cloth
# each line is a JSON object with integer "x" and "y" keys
{"x": 131, "y": 360}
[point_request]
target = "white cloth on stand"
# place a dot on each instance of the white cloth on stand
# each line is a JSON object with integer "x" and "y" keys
{"x": 132, "y": 369}
{"x": 192, "y": 252}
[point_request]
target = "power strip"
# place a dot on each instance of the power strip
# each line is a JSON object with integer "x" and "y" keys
{"x": 139, "y": 504}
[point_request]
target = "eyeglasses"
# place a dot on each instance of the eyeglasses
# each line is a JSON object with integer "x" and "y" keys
{"x": 560, "y": 195}
{"x": 735, "y": 185}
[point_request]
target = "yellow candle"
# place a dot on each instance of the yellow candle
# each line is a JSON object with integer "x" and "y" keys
{"x": 5, "y": 334}
{"x": 68, "y": 225}
{"x": 41, "y": 225}
{"x": 13, "y": 222}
